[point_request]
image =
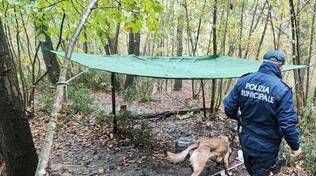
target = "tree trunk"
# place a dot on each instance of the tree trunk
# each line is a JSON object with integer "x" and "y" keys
{"x": 223, "y": 47}
{"x": 16, "y": 140}
{"x": 254, "y": 25}
{"x": 190, "y": 42}
{"x": 85, "y": 43}
{"x": 295, "y": 56}
{"x": 50, "y": 59}
{"x": 310, "y": 54}
{"x": 263, "y": 34}
{"x": 112, "y": 48}
{"x": 279, "y": 33}
{"x": 178, "y": 83}
{"x": 212, "y": 106}
{"x": 241, "y": 28}
{"x": 193, "y": 44}
{"x": 133, "y": 48}
{"x": 19, "y": 59}
{"x": 223, "y": 51}
{"x": 272, "y": 26}
{"x": 314, "y": 98}
{"x": 59, "y": 97}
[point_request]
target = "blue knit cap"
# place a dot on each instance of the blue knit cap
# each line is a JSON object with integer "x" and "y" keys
{"x": 273, "y": 56}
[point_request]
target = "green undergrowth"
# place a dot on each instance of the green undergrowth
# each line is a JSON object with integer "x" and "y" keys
{"x": 139, "y": 133}
{"x": 141, "y": 91}
{"x": 307, "y": 126}
{"x": 78, "y": 98}
{"x": 96, "y": 80}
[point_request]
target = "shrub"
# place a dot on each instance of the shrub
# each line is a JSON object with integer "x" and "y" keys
{"x": 308, "y": 140}
{"x": 130, "y": 94}
{"x": 141, "y": 135}
{"x": 141, "y": 91}
{"x": 102, "y": 119}
{"x": 48, "y": 99}
{"x": 96, "y": 80}
{"x": 138, "y": 133}
{"x": 79, "y": 98}
{"x": 309, "y": 153}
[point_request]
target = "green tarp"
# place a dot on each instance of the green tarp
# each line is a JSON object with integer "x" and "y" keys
{"x": 204, "y": 67}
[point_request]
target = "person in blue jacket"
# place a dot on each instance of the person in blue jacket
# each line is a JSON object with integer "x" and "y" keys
{"x": 263, "y": 105}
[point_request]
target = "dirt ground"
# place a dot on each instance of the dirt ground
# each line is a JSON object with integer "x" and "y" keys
{"x": 86, "y": 149}
{"x": 92, "y": 154}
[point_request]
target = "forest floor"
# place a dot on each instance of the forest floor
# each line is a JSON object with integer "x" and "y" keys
{"x": 85, "y": 148}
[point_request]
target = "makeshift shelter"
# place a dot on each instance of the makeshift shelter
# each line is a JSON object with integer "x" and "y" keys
{"x": 198, "y": 67}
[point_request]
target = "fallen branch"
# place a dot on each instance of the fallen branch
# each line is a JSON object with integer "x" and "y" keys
{"x": 168, "y": 113}
{"x": 46, "y": 149}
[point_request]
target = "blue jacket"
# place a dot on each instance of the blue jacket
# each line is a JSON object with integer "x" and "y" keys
{"x": 266, "y": 105}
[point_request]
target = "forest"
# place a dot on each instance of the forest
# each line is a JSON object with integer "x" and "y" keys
{"x": 59, "y": 117}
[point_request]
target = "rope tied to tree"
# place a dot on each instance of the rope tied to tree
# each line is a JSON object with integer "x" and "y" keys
{"x": 65, "y": 83}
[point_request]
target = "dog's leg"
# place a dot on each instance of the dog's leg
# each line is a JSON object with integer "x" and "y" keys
{"x": 226, "y": 157}
{"x": 219, "y": 160}
{"x": 198, "y": 160}
{"x": 178, "y": 157}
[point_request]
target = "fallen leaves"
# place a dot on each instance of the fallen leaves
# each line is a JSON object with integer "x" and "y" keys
{"x": 83, "y": 148}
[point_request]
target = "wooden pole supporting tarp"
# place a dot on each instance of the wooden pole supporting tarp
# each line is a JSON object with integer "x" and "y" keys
{"x": 113, "y": 103}
{"x": 212, "y": 108}
{"x": 203, "y": 98}
{"x": 46, "y": 148}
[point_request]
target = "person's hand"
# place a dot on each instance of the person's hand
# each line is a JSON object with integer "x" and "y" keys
{"x": 296, "y": 153}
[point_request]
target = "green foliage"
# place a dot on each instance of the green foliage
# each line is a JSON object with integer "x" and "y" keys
{"x": 96, "y": 80}
{"x": 79, "y": 98}
{"x": 308, "y": 139}
{"x": 125, "y": 119}
{"x": 141, "y": 135}
{"x": 308, "y": 155}
{"x": 48, "y": 99}
{"x": 102, "y": 22}
{"x": 102, "y": 119}
{"x": 309, "y": 151}
{"x": 138, "y": 133}
{"x": 142, "y": 91}
{"x": 130, "y": 94}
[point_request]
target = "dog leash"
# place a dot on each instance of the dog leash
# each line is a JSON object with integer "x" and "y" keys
{"x": 222, "y": 172}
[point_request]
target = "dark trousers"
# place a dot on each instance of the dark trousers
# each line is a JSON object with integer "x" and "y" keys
{"x": 259, "y": 166}
{"x": 259, "y": 156}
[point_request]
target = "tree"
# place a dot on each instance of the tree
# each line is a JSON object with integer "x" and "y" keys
{"x": 111, "y": 47}
{"x": 178, "y": 82}
{"x": 57, "y": 106}
{"x": 50, "y": 59}
{"x": 299, "y": 89}
{"x": 16, "y": 140}
{"x": 212, "y": 105}
{"x": 310, "y": 55}
{"x": 133, "y": 48}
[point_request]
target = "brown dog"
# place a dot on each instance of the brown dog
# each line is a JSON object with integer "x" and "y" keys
{"x": 200, "y": 152}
